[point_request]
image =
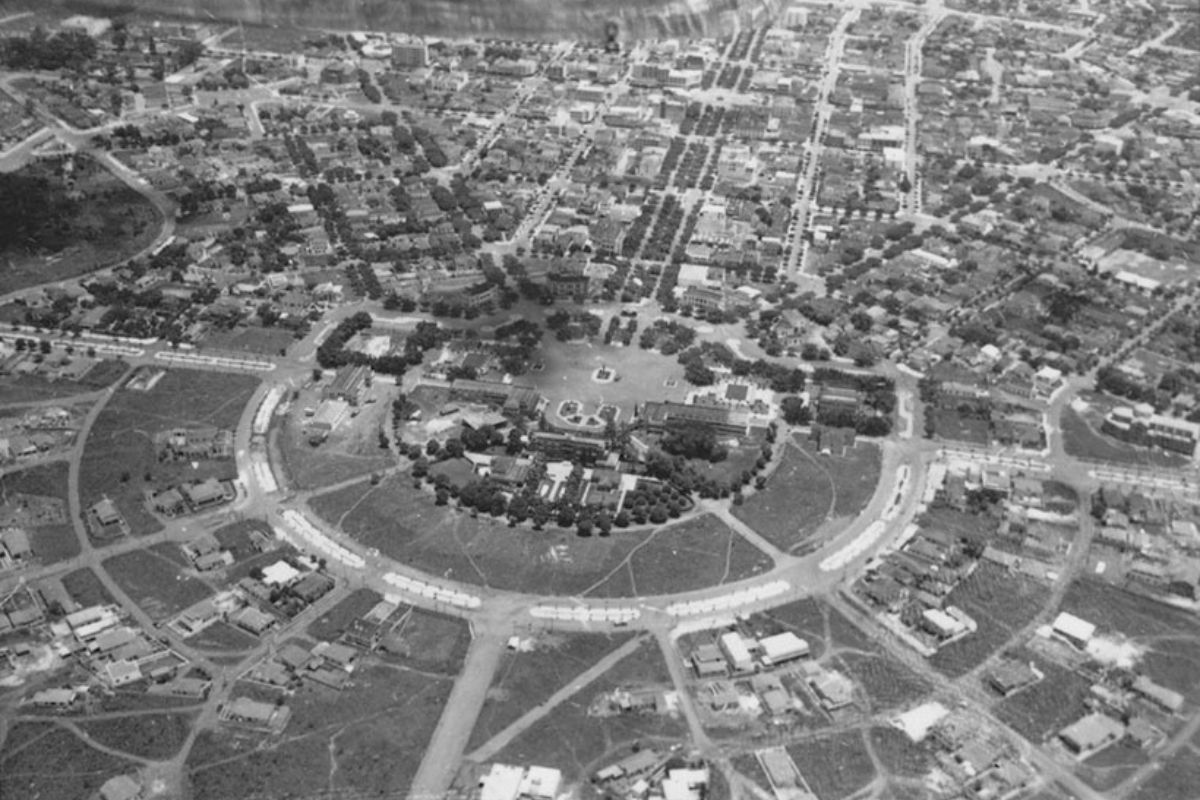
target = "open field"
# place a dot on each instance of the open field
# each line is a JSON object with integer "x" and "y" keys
{"x": 405, "y": 524}
{"x": 578, "y": 744}
{"x": 1081, "y": 440}
{"x": 525, "y": 680}
{"x": 808, "y": 490}
{"x": 35, "y": 388}
{"x": 53, "y": 542}
{"x": 59, "y": 231}
{"x": 835, "y": 766}
{"x": 1043, "y": 709}
{"x": 367, "y": 739}
{"x": 156, "y": 584}
{"x": 1001, "y": 603}
{"x": 85, "y": 588}
{"x": 52, "y": 762}
{"x": 156, "y": 736}
{"x": 351, "y": 450}
{"x": 124, "y": 430}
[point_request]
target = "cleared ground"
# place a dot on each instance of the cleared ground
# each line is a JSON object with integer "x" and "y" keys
{"x": 405, "y": 524}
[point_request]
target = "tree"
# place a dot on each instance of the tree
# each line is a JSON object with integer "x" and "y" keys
{"x": 454, "y": 448}
{"x": 795, "y": 410}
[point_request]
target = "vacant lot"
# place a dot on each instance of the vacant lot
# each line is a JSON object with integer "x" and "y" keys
{"x": 405, "y": 524}
{"x": 366, "y": 740}
{"x": 578, "y": 744}
{"x": 1043, "y": 709}
{"x": 85, "y": 588}
{"x": 1082, "y": 440}
{"x": 54, "y": 542}
{"x": 222, "y": 636}
{"x": 1001, "y": 603}
{"x": 899, "y": 755}
{"x": 808, "y": 490}
{"x": 251, "y": 339}
{"x": 888, "y": 683}
{"x": 155, "y": 736}
{"x": 1113, "y": 765}
{"x": 123, "y": 435}
{"x": 834, "y": 766}
{"x": 525, "y": 680}
{"x": 235, "y": 537}
{"x": 42, "y": 760}
{"x": 949, "y": 423}
{"x": 432, "y": 642}
{"x": 155, "y": 583}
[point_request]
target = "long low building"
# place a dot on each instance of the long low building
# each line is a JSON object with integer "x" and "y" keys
{"x": 660, "y": 416}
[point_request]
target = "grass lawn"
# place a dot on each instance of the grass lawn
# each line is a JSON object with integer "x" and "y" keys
{"x": 155, "y": 583}
{"x": 124, "y": 430}
{"x": 85, "y": 588}
{"x": 1001, "y": 603}
{"x": 154, "y": 736}
{"x": 405, "y": 524}
{"x": 808, "y": 490}
{"x": 578, "y": 744}
{"x": 525, "y": 680}
{"x": 52, "y": 762}
{"x": 1052, "y": 703}
{"x": 835, "y": 766}
{"x": 1081, "y": 440}
{"x": 366, "y": 740}
{"x": 56, "y": 541}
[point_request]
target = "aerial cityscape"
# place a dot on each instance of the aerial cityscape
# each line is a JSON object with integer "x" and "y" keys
{"x": 682, "y": 400}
